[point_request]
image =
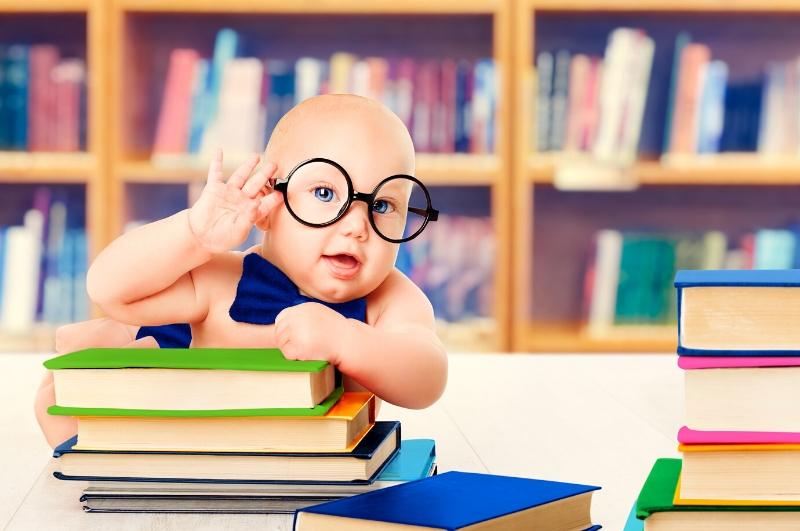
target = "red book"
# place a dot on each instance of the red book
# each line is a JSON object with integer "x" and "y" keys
{"x": 404, "y": 91}
{"x": 41, "y": 97}
{"x": 68, "y": 78}
{"x": 424, "y": 102}
{"x": 172, "y": 131}
{"x": 448, "y": 106}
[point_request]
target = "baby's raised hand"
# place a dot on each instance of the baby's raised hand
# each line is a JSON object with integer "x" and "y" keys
{"x": 310, "y": 331}
{"x": 222, "y": 217}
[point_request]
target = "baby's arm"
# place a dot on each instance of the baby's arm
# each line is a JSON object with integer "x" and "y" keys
{"x": 145, "y": 276}
{"x": 399, "y": 357}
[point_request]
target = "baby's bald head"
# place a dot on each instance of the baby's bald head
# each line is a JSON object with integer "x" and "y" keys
{"x": 361, "y": 134}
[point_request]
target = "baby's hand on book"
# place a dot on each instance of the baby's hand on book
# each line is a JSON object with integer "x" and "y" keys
{"x": 310, "y": 331}
{"x": 226, "y": 211}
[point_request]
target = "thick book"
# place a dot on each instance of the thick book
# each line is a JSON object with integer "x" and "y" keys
{"x": 656, "y": 506}
{"x": 743, "y": 398}
{"x": 687, "y": 435}
{"x": 339, "y": 430}
{"x": 361, "y": 464}
{"x": 157, "y": 382}
{"x": 458, "y": 500}
{"x": 738, "y": 312}
{"x": 741, "y": 473}
{"x": 416, "y": 459}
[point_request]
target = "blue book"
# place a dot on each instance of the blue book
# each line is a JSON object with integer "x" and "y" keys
{"x": 681, "y": 41}
{"x": 456, "y": 500}
{"x": 197, "y": 120}
{"x": 721, "y": 313}
{"x": 633, "y": 523}
{"x": 774, "y": 249}
{"x": 712, "y": 108}
{"x": 226, "y": 47}
{"x": 16, "y": 81}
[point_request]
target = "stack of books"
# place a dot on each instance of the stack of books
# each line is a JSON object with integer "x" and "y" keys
{"x": 739, "y": 346}
{"x": 221, "y": 430}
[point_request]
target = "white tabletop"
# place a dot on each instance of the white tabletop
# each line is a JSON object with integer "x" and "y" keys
{"x": 593, "y": 419}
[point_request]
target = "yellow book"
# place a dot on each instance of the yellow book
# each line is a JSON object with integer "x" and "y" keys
{"x": 339, "y": 430}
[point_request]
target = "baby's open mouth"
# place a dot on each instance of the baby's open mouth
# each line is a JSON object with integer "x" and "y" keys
{"x": 342, "y": 265}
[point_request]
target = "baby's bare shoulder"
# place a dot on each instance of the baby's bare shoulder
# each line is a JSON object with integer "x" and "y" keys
{"x": 222, "y": 271}
{"x": 399, "y": 298}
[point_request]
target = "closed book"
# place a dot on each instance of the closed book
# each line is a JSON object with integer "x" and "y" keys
{"x": 458, "y": 500}
{"x": 744, "y": 473}
{"x": 738, "y": 312}
{"x": 43, "y": 58}
{"x": 172, "y": 130}
{"x": 339, "y": 430}
{"x": 414, "y": 460}
{"x": 188, "y": 382}
{"x": 360, "y": 465}
{"x": 17, "y": 77}
{"x": 687, "y": 435}
{"x": 656, "y": 506}
{"x": 694, "y": 58}
{"x": 743, "y": 398}
{"x": 23, "y": 253}
{"x": 239, "y": 123}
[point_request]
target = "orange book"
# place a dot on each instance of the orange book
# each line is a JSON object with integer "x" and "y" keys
{"x": 694, "y": 60}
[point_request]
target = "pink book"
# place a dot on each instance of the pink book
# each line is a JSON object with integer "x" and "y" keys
{"x": 690, "y": 436}
{"x": 694, "y": 59}
{"x": 709, "y": 362}
{"x": 172, "y": 131}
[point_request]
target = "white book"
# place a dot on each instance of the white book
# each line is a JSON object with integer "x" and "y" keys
{"x": 614, "y": 92}
{"x": 641, "y": 58}
{"x": 308, "y": 80}
{"x": 21, "y": 273}
{"x": 606, "y": 278}
{"x": 239, "y": 104}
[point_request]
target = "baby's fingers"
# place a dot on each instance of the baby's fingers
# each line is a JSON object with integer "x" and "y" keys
{"x": 241, "y": 174}
{"x": 257, "y": 181}
{"x": 215, "y": 168}
{"x": 268, "y": 202}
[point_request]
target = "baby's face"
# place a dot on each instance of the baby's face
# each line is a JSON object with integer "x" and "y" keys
{"x": 345, "y": 260}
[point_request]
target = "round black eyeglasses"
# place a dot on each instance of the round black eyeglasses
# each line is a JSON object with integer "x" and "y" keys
{"x": 318, "y": 192}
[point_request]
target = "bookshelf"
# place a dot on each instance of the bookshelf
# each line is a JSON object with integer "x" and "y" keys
{"x": 143, "y": 32}
{"x": 77, "y": 27}
{"x": 552, "y": 228}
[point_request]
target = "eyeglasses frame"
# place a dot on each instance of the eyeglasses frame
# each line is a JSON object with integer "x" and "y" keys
{"x": 430, "y": 213}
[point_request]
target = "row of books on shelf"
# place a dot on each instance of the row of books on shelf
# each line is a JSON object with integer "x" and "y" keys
{"x": 247, "y": 431}
{"x": 42, "y": 99}
{"x": 738, "y": 349}
{"x": 43, "y": 265}
{"x": 628, "y": 278}
{"x": 595, "y": 105}
{"x": 234, "y": 102}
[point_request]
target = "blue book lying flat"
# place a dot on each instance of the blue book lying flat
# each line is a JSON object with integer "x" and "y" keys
{"x": 738, "y": 313}
{"x": 458, "y": 500}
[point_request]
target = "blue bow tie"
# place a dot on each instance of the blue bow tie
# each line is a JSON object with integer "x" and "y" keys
{"x": 263, "y": 291}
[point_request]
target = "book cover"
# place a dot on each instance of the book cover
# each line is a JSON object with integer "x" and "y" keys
{"x": 172, "y": 129}
{"x": 267, "y": 359}
{"x": 449, "y": 501}
{"x": 688, "y": 436}
{"x": 17, "y": 76}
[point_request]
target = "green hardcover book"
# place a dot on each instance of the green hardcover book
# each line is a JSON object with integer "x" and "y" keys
{"x": 190, "y": 382}
{"x": 656, "y": 506}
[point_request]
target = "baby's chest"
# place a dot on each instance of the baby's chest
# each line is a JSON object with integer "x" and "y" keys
{"x": 220, "y": 330}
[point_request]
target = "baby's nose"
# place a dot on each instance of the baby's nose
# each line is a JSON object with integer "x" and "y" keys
{"x": 355, "y": 221}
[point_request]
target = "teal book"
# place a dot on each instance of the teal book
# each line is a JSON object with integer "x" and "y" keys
{"x": 457, "y": 500}
{"x": 190, "y": 382}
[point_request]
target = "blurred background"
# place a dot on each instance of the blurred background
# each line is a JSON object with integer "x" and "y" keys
{"x": 580, "y": 151}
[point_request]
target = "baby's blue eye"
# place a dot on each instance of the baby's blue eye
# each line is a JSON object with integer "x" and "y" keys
{"x": 381, "y": 206}
{"x": 324, "y": 194}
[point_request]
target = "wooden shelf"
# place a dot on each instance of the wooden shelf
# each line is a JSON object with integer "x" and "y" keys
{"x": 535, "y": 337}
{"x": 349, "y": 7}
{"x": 433, "y": 169}
{"x": 25, "y": 167}
{"x": 735, "y": 169}
{"x": 44, "y": 6}
{"x": 691, "y": 6}
{"x": 471, "y": 335}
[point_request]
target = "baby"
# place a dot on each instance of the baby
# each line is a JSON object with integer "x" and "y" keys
{"x": 334, "y": 196}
